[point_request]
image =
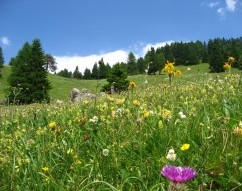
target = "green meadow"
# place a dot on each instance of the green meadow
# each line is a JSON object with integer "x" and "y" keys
{"x": 120, "y": 142}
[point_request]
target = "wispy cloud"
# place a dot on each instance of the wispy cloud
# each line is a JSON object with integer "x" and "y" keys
{"x": 83, "y": 62}
{"x": 5, "y": 41}
{"x": 227, "y": 6}
{"x": 213, "y": 4}
{"x": 221, "y": 11}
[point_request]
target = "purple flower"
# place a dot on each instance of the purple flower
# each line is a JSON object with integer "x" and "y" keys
{"x": 178, "y": 174}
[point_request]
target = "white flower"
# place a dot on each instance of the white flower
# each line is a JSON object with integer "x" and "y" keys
{"x": 171, "y": 155}
{"x": 105, "y": 152}
{"x": 94, "y": 119}
{"x": 182, "y": 116}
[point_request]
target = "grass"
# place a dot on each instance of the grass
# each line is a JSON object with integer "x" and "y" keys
{"x": 120, "y": 142}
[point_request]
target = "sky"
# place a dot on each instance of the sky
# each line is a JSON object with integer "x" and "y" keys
{"x": 81, "y": 32}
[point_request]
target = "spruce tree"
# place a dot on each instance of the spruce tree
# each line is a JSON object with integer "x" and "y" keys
{"x": 116, "y": 78}
{"x": 28, "y": 80}
{"x": 1, "y": 58}
{"x": 1, "y": 61}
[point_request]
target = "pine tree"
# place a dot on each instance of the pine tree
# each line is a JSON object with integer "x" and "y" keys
{"x": 87, "y": 74}
{"x": 1, "y": 58}
{"x": 131, "y": 64}
{"x": 1, "y": 61}
{"x": 117, "y": 78}
{"x": 29, "y": 77}
{"x": 216, "y": 55}
{"x": 77, "y": 74}
{"x": 65, "y": 73}
{"x": 95, "y": 72}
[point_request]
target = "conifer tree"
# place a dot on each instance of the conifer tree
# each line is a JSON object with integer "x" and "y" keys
{"x": 29, "y": 77}
{"x": 1, "y": 61}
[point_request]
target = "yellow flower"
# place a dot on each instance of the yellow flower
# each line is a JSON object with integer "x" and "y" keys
{"x": 169, "y": 68}
{"x": 146, "y": 113}
{"x": 52, "y": 125}
{"x": 178, "y": 73}
{"x": 231, "y": 59}
{"x": 227, "y": 66}
{"x": 45, "y": 169}
{"x": 120, "y": 101}
{"x": 136, "y": 102}
{"x": 132, "y": 85}
{"x": 185, "y": 147}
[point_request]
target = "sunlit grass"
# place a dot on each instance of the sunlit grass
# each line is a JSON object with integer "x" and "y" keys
{"x": 121, "y": 141}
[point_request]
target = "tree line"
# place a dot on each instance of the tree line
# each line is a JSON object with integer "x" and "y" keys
{"x": 215, "y": 52}
{"x": 29, "y": 83}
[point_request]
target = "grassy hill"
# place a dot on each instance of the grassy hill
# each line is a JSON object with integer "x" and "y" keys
{"x": 61, "y": 87}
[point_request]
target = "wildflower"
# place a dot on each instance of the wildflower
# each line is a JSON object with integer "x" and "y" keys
{"x": 136, "y": 102}
{"x": 226, "y": 66}
{"x": 94, "y": 119}
{"x": 120, "y": 101}
{"x": 171, "y": 155}
{"x": 138, "y": 121}
{"x": 185, "y": 147}
{"x": 188, "y": 69}
{"x": 169, "y": 68}
{"x": 105, "y": 152}
{"x": 30, "y": 142}
{"x": 178, "y": 174}
{"x": 237, "y": 130}
{"x": 146, "y": 114}
{"x": 132, "y": 85}
{"x": 45, "y": 169}
{"x": 231, "y": 59}
{"x": 182, "y": 116}
{"x": 166, "y": 114}
{"x": 52, "y": 125}
{"x": 160, "y": 124}
{"x": 178, "y": 73}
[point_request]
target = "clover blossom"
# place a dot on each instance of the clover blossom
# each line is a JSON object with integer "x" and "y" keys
{"x": 178, "y": 174}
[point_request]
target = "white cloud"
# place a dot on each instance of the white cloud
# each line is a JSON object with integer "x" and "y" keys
{"x": 83, "y": 62}
{"x": 155, "y": 46}
{"x": 231, "y": 5}
{"x": 213, "y": 4}
{"x": 221, "y": 11}
{"x": 5, "y": 41}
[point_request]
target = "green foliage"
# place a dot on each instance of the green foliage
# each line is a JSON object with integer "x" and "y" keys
{"x": 1, "y": 61}
{"x": 77, "y": 74}
{"x": 87, "y": 74}
{"x": 1, "y": 58}
{"x": 95, "y": 72}
{"x": 132, "y": 64}
{"x": 116, "y": 78}
{"x": 28, "y": 80}
{"x": 216, "y": 55}
{"x": 50, "y": 63}
{"x": 65, "y": 73}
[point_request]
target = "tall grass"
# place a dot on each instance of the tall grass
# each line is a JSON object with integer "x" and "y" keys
{"x": 120, "y": 142}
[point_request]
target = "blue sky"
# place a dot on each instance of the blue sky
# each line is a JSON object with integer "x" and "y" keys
{"x": 81, "y": 32}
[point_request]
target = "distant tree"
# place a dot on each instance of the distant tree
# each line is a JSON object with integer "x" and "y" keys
{"x": 95, "y": 72}
{"x": 87, "y": 74}
{"x": 116, "y": 78}
{"x": 1, "y": 58}
{"x": 131, "y": 64}
{"x": 65, "y": 73}
{"x": 29, "y": 77}
{"x": 192, "y": 56}
{"x": 103, "y": 69}
{"x": 77, "y": 74}
{"x": 1, "y": 61}
{"x": 50, "y": 63}
{"x": 216, "y": 55}
{"x": 141, "y": 65}
{"x": 150, "y": 58}
{"x": 168, "y": 54}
